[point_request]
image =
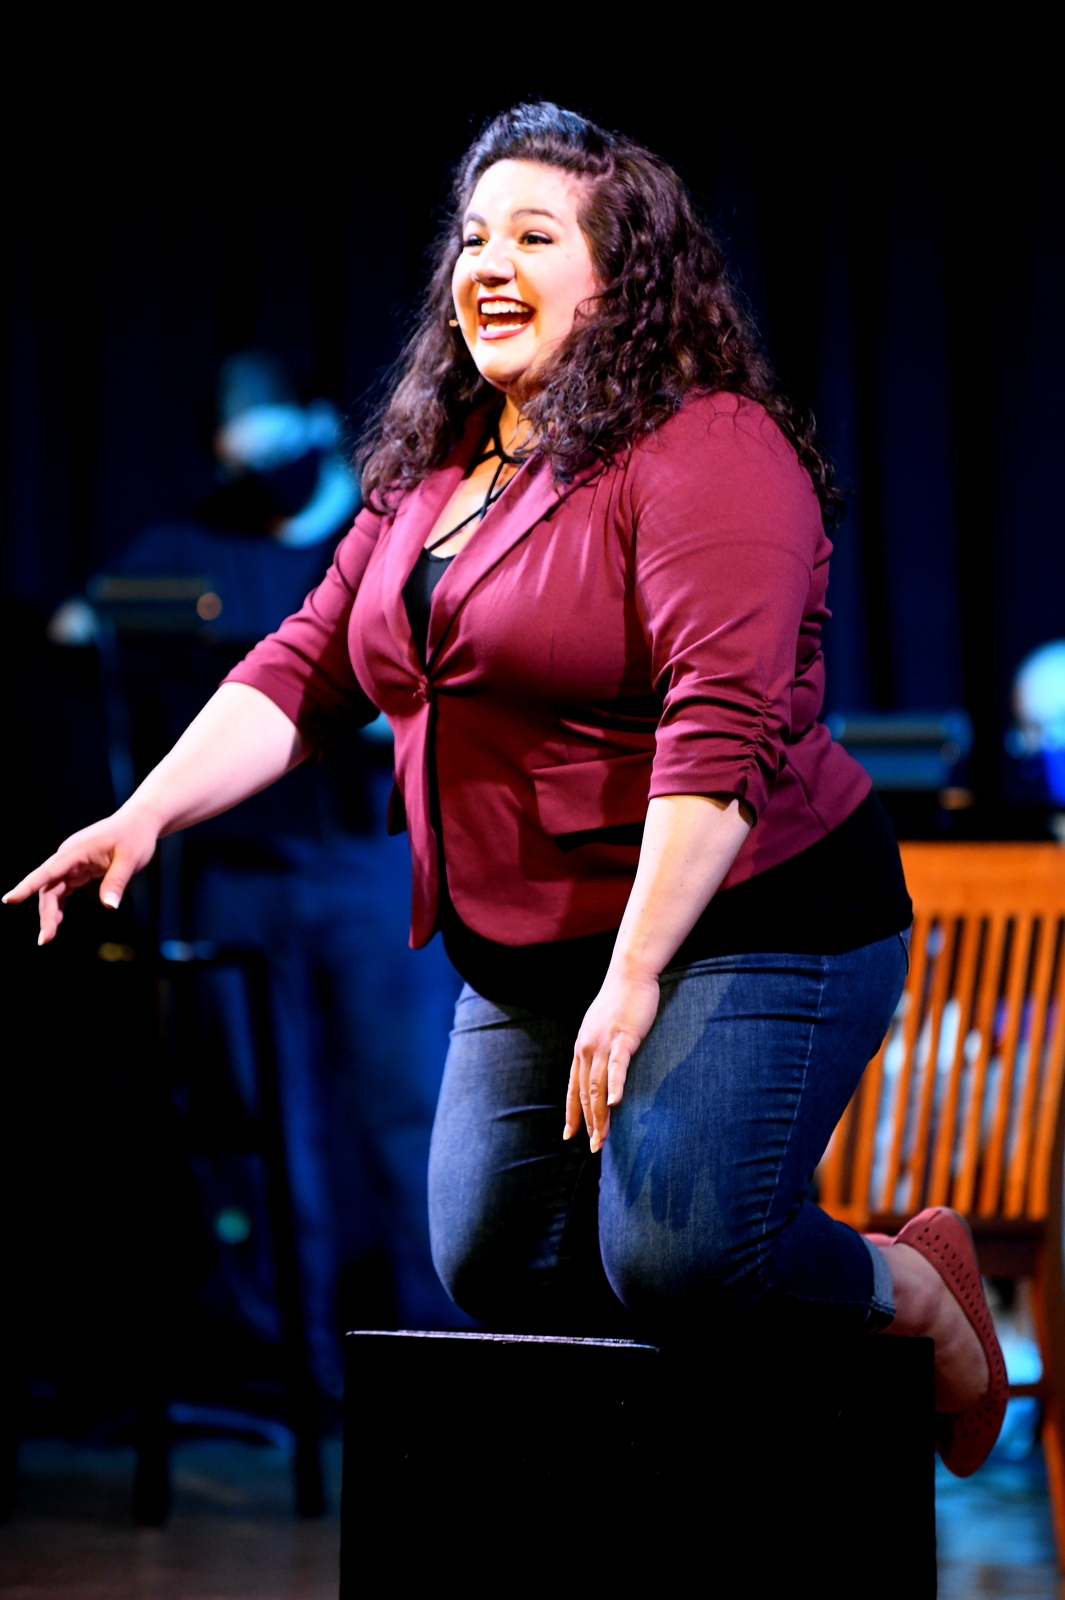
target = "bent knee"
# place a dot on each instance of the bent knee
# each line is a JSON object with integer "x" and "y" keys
{"x": 645, "y": 1278}
{"x": 478, "y": 1278}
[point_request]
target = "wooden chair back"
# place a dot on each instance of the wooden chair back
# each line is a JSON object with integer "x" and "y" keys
{"x": 962, "y": 1104}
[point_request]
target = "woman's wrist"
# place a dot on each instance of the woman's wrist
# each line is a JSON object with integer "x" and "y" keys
{"x": 628, "y": 967}
{"x": 142, "y": 813}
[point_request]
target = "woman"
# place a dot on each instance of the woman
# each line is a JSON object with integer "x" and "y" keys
{"x": 587, "y": 590}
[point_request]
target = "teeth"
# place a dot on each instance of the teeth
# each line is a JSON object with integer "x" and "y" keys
{"x": 499, "y": 308}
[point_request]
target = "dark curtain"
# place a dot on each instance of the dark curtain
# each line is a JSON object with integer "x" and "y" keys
{"x": 902, "y": 245}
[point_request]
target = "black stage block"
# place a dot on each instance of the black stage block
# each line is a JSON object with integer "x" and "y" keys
{"x": 490, "y": 1463}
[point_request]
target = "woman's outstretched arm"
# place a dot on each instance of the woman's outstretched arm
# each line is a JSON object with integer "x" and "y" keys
{"x": 241, "y": 742}
{"x": 689, "y": 843}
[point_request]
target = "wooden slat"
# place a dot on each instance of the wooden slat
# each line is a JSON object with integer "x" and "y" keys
{"x": 1018, "y": 962}
{"x": 1039, "y": 1185}
{"x": 830, "y": 1172}
{"x": 919, "y": 1158}
{"x": 922, "y": 926}
{"x": 947, "y": 1133}
{"x": 865, "y": 1141}
{"x": 991, "y": 965}
{"x": 1020, "y": 1158}
{"x": 981, "y": 888}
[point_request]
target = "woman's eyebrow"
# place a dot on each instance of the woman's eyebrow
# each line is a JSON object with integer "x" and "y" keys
{"x": 522, "y": 211}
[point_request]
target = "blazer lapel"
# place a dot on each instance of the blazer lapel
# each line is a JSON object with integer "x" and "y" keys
{"x": 410, "y": 528}
{"x": 529, "y": 496}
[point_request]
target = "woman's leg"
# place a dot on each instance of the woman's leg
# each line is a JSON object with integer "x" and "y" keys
{"x": 728, "y": 1107}
{"x": 512, "y": 1208}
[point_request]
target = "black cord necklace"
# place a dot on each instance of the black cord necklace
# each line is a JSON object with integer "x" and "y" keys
{"x": 492, "y": 495}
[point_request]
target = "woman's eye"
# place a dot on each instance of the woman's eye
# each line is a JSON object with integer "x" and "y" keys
{"x": 536, "y": 238}
{"x": 472, "y": 241}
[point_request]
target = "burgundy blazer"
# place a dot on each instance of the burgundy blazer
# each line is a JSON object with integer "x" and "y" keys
{"x": 653, "y": 629}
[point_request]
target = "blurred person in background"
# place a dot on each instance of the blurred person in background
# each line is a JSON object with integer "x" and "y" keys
{"x": 305, "y": 872}
{"x": 1037, "y": 738}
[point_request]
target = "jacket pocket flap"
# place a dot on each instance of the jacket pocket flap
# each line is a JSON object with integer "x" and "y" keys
{"x": 580, "y": 795}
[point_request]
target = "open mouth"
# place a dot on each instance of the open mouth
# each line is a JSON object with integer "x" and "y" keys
{"x": 497, "y": 316}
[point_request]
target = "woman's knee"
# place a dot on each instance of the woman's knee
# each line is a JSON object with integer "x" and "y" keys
{"x": 655, "y": 1274}
{"x": 461, "y": 1267}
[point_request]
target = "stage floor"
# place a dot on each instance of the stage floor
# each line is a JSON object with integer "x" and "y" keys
{"x": 232, "y": 1535}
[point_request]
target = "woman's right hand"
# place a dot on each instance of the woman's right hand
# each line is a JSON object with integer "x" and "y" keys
{"x": 238, "y": 744}
{"x": 113, "y": 850}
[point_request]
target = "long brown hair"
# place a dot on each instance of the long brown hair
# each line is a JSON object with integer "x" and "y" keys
{"x": 667, "y": 320}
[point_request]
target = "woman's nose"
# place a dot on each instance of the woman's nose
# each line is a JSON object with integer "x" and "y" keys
{"x": 493, "y": 266}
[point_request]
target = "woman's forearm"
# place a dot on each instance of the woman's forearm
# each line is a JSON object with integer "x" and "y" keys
{"x": 241, "y": 742}
{"x": 689, "y": 843}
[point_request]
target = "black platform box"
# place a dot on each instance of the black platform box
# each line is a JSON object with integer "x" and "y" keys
{"x": 502, "y": 1464}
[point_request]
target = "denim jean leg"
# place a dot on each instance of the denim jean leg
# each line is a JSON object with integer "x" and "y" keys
{"x": 728, "y": 1107}
{"x": 512, "y": 1207}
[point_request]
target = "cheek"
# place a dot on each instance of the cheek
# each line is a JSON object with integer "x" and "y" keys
{"x": 571, "y": 288}
{"x": 460, "y": 283}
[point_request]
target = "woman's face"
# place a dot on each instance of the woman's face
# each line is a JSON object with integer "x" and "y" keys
{"x": 524, "y": 270}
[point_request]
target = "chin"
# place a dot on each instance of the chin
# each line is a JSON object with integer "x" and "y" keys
{"x": 496, "y": 369}
{"x": 503, "y": 378}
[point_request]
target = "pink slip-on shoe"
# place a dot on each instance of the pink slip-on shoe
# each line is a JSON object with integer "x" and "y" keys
{"x": 964, "y": 1439}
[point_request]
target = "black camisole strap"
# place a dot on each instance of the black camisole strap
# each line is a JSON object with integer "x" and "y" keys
{"x": 492, "y": 495}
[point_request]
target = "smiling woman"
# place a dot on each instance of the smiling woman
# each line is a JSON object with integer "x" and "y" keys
{"x": 665, "y": 314}
{"x": 522, "y": 280}
{"x": 587, "y": 590}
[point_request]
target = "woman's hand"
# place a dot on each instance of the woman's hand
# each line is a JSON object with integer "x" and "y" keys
{"x": 113, "y": 850}
{"x": 689, "y": 844}
{"x": 615, "y": 1025}
{"x": 238, "y": 744}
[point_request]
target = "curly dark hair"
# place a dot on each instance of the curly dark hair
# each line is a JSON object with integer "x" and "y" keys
{"x": 667, "y": 320}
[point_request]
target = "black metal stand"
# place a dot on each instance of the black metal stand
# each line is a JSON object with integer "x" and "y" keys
{"x": 529, "y": 1466}
{"x": 164, "y": 606}
{"x": 152, "y": 1485}
{"x": 300, "y": 1394}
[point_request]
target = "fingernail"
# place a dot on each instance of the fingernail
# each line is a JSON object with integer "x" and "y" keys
{"x": 110, "y": 899}
{"x": 40, "y": 938}
{"x": 567, "y": 1132}
{"x": 593, "y": 1143}
{"x": 611, "y": 1099}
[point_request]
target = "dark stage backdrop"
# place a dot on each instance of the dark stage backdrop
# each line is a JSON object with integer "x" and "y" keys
{"x": 901, "y": 243}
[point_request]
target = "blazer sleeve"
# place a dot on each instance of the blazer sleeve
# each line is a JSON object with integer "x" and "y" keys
{"x": 305, "y": 667}
{"x": 726, "y": 532}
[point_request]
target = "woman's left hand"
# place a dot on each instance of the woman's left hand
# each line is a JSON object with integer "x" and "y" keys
{"x": 615, "y": 1025}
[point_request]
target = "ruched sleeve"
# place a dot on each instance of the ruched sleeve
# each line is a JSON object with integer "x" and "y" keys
{"x": 305, "y": 667}
{"x": 727, "y": 534}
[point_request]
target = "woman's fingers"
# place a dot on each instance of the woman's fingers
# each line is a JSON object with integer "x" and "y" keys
{"x": 99, "y": 852}
{"x": 50, "y": 907}
{"x": 617, "y": 1072}
{"x": 598, "y": 1083}
{"x": 123, "y": 866}
{"x": 573, "y": 1100}
{"x": 71, "y": 865}
{"x": 49, "y": 873}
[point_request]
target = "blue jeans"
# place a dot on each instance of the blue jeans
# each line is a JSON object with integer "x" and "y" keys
{"x": 698, "y": 1202}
